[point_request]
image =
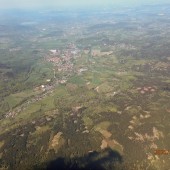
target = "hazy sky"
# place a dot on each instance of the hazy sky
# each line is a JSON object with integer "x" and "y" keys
{"x": 70, "y": 3}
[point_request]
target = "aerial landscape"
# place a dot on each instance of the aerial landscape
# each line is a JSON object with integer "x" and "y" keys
{"x": 85, "y": 89}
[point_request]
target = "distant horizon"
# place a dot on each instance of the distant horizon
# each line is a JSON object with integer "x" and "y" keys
{"x": 74, "y": 4}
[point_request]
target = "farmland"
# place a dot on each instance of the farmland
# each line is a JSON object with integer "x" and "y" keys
{"x": 90, "y": 91}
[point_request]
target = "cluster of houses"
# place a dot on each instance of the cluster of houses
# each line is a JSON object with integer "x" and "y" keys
{"x": 62, "y": 59}
{"x": 146, "y": 89}
{"x": 10, "y": 114}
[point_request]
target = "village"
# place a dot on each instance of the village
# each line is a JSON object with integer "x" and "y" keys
{"x": 63, "y": 59}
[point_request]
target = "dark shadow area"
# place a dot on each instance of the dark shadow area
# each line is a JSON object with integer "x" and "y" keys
{"x": 166, "y": 88}
{"x": 105, "y": 160}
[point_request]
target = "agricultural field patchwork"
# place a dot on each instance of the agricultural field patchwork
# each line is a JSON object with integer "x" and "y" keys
{"x": 92, "y": 94}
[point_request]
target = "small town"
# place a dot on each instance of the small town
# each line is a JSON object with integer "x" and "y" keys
{"x": 63, "y": 59}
